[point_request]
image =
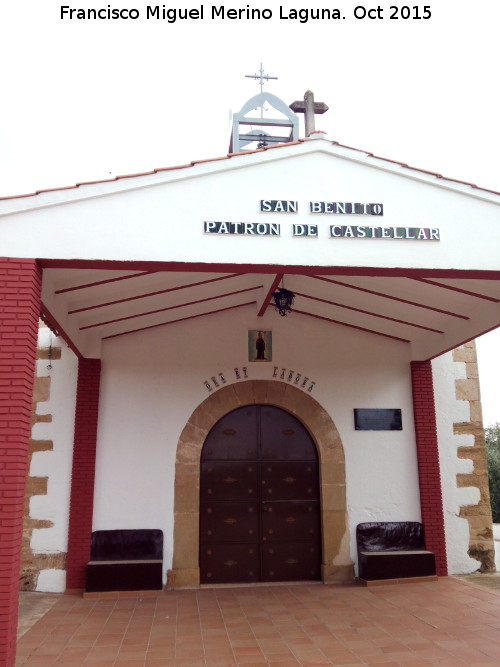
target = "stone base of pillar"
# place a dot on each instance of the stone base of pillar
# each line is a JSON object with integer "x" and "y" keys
{"x": 337, "y": 574}
{"x": 183, "y": 578}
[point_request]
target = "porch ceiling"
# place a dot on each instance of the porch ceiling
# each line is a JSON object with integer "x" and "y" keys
{"x": 429, "y": 313}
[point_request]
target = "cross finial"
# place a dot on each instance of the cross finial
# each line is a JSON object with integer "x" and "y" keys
{"x": 260, "y": 76}
{"x": 308, "y": 107}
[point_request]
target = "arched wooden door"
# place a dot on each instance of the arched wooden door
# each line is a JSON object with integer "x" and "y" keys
{"x": 259, "y": 499}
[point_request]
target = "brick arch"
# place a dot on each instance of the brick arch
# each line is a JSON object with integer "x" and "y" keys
{"x": 336, "y": 561}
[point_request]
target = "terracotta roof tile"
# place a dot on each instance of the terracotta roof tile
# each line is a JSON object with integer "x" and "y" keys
{"x": 231, "y": 155}
{"x": 423, "y": 171}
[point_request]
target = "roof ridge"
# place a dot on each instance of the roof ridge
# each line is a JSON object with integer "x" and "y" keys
{"x": 231, "y": 155}
{"x": 423, "y": 171}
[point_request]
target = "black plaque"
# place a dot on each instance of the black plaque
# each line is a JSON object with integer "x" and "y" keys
{"x": 377, "y": 419}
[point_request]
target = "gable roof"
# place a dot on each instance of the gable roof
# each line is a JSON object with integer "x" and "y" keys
{"x": 231, "y": 156}
{"x": 163, "y": 271}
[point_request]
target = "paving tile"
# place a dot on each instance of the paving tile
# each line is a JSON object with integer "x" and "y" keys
{"x": 449, "y": 623}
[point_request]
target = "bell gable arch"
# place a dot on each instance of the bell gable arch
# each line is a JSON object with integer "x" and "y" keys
{"x": 336, "y": 561}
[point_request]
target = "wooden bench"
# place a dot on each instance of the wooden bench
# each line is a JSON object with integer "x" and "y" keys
{"x": 393, "y": 550}
{"x": 125, "y": 560}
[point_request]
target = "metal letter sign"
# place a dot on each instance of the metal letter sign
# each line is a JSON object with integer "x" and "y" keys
{"x": 278, "y": 206}
{"x": 345, "y": 208}
{"x": 242, "y": 228}
{"x": 305, "y": 230}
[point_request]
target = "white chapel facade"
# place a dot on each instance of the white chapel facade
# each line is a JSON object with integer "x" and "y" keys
{"x": 157, "y": 295}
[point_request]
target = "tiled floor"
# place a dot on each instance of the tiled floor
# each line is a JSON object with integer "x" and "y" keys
{"x": 449, "y": 623}
{"x": 32, "y": 607}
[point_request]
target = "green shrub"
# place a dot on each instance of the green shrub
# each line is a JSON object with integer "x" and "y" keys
{"x": 492, "y": 439}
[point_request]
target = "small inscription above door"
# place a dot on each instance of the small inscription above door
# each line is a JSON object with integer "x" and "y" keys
{"x": 377, "y": 419}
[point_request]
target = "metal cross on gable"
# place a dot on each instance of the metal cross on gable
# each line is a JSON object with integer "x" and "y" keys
{"x": 260, "y": 76}
{"x": 308, "y": 107}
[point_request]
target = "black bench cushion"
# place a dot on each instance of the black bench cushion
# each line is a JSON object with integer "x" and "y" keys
{"x": 390, "y": 536}
{"x": 393, "y": 550}
{"x": 123, "y": 545}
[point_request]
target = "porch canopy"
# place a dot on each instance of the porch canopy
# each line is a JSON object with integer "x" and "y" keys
{"x": 362, "y": 242}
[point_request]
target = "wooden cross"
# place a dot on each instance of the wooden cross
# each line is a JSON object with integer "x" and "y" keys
{"x": 308, "y": 107}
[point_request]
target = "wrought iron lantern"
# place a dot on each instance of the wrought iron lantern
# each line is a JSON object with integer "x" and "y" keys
{"x": 283, "y": 301}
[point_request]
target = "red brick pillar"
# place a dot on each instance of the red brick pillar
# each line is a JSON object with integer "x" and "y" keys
{"x": 429, "y": 474}
{"x": 20, "y": 286}
{"x": 83, "y": 474}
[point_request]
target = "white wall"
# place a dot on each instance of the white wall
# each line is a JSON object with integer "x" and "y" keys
{"x": 152, "y": 382}
{"x": 160, "y": 216}
{"x": 448, "y": 411}
{"x": 55, "y": 463}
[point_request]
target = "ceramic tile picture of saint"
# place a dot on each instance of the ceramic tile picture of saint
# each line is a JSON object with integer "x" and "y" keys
{"x": 260, "y": 346}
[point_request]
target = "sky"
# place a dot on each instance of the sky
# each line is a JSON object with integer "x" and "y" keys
{"x": 87, "y": 99}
